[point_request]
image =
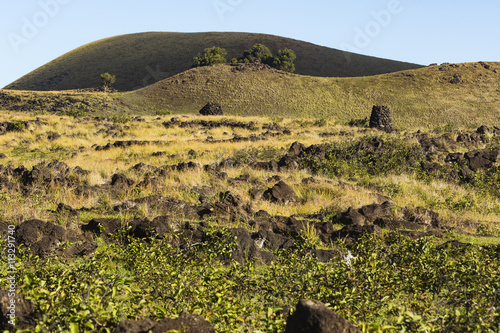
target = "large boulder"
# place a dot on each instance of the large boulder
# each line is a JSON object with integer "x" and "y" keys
{"x": 351, "y": 216}
{"x": 381, "y": 118}
{"x": 211, "y": 109}
{"x": 313, "y": 316}
{"x": 351, "y": 233}
{"x": 481, "y": 159}
{"x": 374, "y": 211}
{"x": 281, "y": 193}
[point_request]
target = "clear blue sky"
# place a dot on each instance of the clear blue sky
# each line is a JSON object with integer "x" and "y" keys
{"x": 34, "y": 32}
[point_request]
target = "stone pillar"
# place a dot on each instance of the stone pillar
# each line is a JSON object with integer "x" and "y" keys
{"x": 381, "y": 118}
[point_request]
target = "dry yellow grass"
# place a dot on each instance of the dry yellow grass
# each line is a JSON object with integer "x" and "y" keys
{"x": 31, "y": 146}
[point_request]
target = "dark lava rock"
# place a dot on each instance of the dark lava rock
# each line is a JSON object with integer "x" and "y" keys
{"x": 381, "y": 118}
{"x": 229, "y": 206}
{"x": 246, "y": 248}
{"x": 296, "y": 148}
{"x": 102, "y": 226}
{"x": 481, "y": 159}
{"x": 55, "y": 172}
{"x": 290, "y": 162}
{"x": 186, "y": 322}
{"x": 272, "y": 241}
{"x": 287, "y": 226}
{"x": 351, "y": 216}
{"x": 46, "y": 239}
{"x": 268, "y": 166}
{"x": 281, "y": 193}
{"x": 158, "y": 227}
{"x": 457, "y": 158}
{"x": 457, "y": 78}
{"x": 24, "y": 312}
{"x": 135, "y": 326}
{"x": 374, "y": 211}
{"x": 121, "y": 181}
{"x": 211, "y": 109}
{"x": 313, "y": 316}
{"x": 256, "y": 193}
{"x": 42, "y": 237}
{"x": 483, "y": 130}
{"x": 355, "y": 231}
{"x": 159, "y": 153}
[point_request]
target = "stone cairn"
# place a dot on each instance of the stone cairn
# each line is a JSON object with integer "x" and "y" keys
{"x": 211, "y": 109}
{"x": 381, "y": 118}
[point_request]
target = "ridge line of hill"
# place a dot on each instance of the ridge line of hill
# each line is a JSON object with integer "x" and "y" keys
{"x": 141, "y": 59}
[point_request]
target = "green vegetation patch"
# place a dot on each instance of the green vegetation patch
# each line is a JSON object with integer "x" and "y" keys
{"x": 401, "y": 284}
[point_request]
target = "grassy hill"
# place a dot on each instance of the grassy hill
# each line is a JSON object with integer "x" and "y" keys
{"x": 463, "y": 94}
{"x": 144, "y": 58}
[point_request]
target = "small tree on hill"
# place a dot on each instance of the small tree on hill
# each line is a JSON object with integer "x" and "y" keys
{"x": 258, "y": 52}
{"x": 284, "y": 60}
{"x": 210, "y": 56}
{"x": 107, "y": 80}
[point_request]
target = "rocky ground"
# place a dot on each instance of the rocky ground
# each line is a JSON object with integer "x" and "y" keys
{"x": 271, "y": 184}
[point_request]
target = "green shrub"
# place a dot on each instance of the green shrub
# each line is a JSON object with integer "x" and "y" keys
{"x": 162, "y": 112}
{"x": 368, "y": 156}
{"x": 18, "y": 126}
{"x": 394, "y": 281}
{"x": 120, "y": 119}
{"x": 210, "y": 56}
{"x": 322, "y": 122}
{"x": 76, "y": 113}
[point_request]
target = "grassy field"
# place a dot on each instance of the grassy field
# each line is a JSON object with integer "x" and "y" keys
{"x": 79, "y": 137}
{"x": 142, "y": 59}
{"x": 396, "y": 284}
{"x": 421, "y": 98}
{"x": 439, "y": 96}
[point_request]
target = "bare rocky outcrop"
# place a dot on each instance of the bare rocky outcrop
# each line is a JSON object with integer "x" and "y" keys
{"x": 211, "y": 109}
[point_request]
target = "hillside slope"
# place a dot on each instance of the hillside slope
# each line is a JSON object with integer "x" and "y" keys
{"x": 463, "y": 94}
{"x": 144, "y": 58}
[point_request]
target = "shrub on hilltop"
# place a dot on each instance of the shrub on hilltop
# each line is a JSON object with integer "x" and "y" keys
{"x": 258, "y": 53}
{"x": 210, "y": 56}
